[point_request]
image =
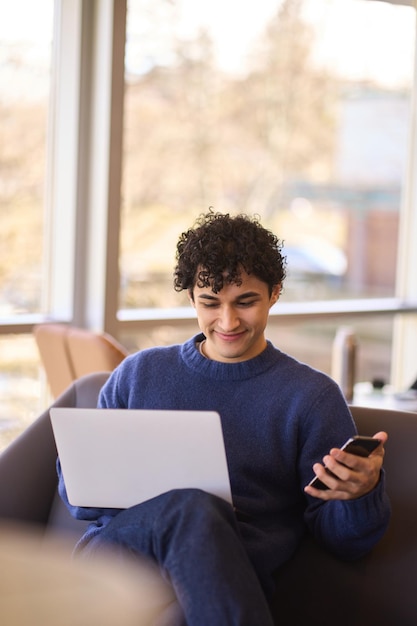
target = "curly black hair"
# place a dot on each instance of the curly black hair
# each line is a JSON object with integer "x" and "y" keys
{"x": 219, "y": 246}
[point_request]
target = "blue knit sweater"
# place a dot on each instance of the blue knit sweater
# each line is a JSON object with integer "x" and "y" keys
{"x": 279, "y": 416}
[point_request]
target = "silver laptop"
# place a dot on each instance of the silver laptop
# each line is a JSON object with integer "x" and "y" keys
{"x": 120, "y": 457}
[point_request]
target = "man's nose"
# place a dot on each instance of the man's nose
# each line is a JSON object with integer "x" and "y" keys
{"x": 229, "y": 319}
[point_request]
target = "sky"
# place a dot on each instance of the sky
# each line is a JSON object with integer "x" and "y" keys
{"x": 364, "y": 39}
{"x": 27, "y": 20}
{"x": 25, "y": 35}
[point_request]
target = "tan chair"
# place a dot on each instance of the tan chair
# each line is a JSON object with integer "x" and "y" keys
{"x": 93, "y": 352}
{"x": 51, "y": 340}
{"x": 68, "y": 353}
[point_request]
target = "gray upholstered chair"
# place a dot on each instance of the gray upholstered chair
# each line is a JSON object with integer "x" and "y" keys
{"x": 313, "y": 588}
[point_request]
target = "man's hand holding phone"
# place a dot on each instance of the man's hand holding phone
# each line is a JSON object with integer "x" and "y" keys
{"x": 347, "y": 472}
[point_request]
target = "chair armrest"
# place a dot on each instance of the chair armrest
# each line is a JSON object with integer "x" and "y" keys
{"x": 27, "y": 474}
{"x": 28, "y": 477}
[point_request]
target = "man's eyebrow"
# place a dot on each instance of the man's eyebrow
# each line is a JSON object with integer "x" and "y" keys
{"x": 206, "y": 296}
{"x": 248, "y": 294}
{"x": 242, "y": 296}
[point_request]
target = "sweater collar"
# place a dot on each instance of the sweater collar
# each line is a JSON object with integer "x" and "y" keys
{"x": 217, "y": 370}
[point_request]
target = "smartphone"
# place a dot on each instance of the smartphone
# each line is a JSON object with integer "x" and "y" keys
{"x": 359, "y": 445}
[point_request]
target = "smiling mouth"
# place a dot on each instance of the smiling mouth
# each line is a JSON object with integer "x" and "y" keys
{"x": 230, "y": 338}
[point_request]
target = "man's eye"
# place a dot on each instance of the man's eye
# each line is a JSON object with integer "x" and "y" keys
{"x": 246, "y": 303}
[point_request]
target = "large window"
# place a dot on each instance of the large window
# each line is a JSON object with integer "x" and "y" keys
{"x": 297, "y": 110}
{"x": 25, "y": 61}
{"x": 25, "y": 64}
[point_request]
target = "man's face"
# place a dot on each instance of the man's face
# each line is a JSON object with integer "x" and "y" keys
{"x": 234, "y": 319}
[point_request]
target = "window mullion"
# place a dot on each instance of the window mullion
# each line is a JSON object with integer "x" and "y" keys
{"x": 405, "y": 329}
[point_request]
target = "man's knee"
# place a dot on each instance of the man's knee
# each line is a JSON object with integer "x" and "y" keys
{"x": 197, "y": 503}
{"x": 179, "y": 512}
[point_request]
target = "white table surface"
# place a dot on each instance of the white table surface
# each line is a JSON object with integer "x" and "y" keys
{"x": 365, "y": 395}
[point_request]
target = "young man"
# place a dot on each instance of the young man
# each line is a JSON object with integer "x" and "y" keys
{"x": 281, "y": 421}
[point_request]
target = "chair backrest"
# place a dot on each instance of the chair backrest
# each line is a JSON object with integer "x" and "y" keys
{"x": 314, "y": 587}
{"x": 68, "y": 353}
{"x": 401, "y": 449}
{"x": 93, "y": 352}
{"x": 51, "y": 340}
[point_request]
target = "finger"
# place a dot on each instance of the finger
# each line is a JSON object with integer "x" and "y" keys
{"x": 382, "y": 435}
{"x": 325, "y": 476}
{"x": 341, "y": 465}
{"x": 328, "y": 494}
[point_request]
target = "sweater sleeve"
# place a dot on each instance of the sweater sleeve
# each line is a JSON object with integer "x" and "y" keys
{"x": 351, "y": 528}
{"x": 347, "y": 528}
{"x": 109, "y": 396}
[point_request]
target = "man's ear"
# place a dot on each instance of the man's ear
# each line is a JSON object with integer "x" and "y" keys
{"x": 190, "y": 294}
{"x": 276, "y": 290}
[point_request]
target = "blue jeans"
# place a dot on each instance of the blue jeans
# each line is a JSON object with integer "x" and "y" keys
{"x": 195, "y": 539}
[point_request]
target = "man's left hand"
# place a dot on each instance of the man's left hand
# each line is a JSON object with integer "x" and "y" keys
{"x": 351, "y": 476}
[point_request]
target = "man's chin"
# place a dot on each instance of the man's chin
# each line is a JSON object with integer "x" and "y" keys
{"x": 230, "y": 353}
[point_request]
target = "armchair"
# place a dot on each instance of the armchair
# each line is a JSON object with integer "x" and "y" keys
{"x": 313, "y": 588}
{"x": 68, "y": 353}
